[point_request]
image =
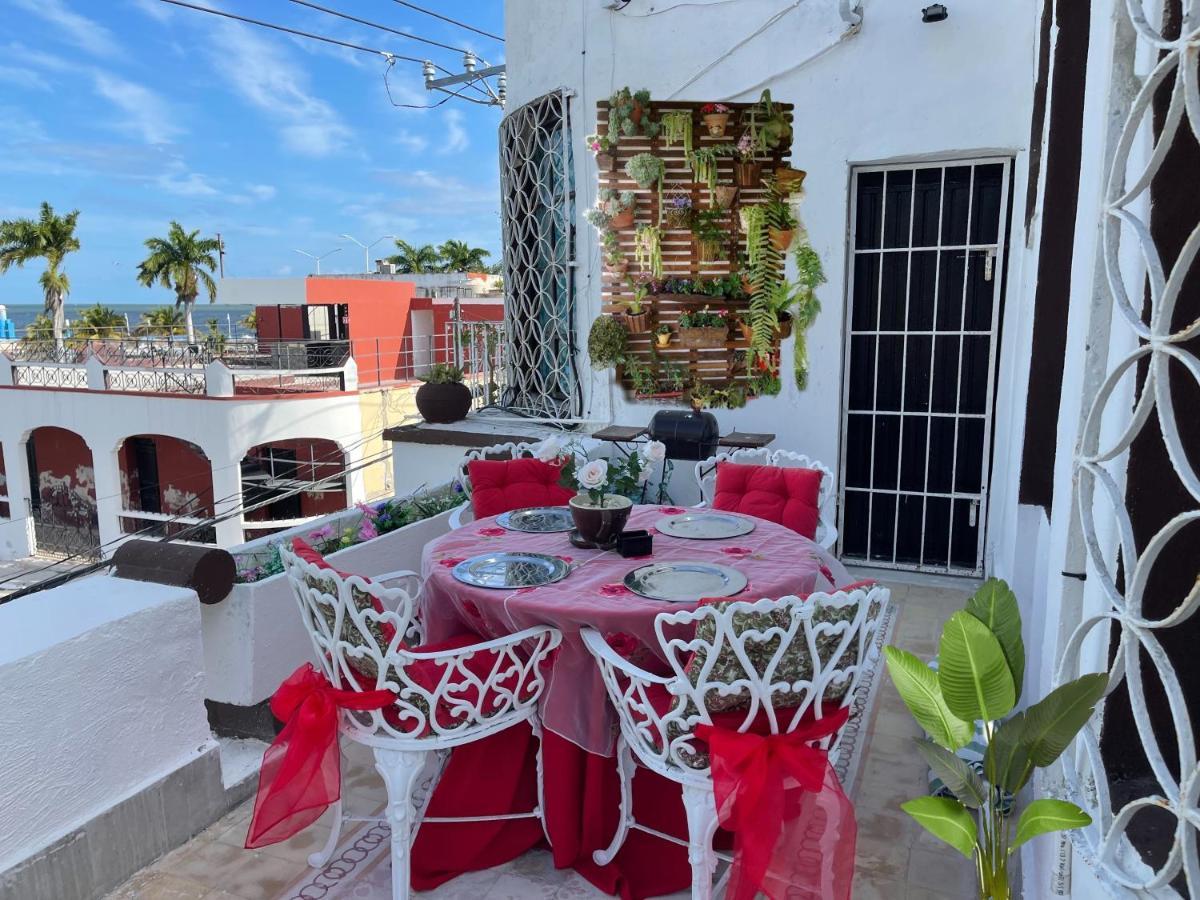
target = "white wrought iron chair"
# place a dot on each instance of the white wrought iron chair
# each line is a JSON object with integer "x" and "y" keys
{"x": 706, "y": 477}
{"x": 509, "y": 450}
{"x": 744, "y": 653}
{"x": 412, "y": 738}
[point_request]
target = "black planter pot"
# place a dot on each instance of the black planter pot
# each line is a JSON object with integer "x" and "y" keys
{"x": 441, "y": 403}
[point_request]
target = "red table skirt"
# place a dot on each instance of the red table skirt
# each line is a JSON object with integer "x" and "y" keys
{"x": 499, "y": 775}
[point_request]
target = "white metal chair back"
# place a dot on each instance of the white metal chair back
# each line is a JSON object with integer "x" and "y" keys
{"x": 355, "y": 652}
{"x": 773, "y": 662}
{"x": 509, "y": 450}
{"x": 706, "y": 478}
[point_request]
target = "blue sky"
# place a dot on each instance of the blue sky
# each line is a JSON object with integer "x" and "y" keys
{"x": 136, "y": 112}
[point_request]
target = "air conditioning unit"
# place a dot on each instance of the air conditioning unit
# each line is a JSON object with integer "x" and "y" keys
{"x": 383, "y": 267}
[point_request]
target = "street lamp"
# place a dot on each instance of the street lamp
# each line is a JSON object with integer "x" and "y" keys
{"x": 319, "y": 258}
{"x": 367, "y": 248}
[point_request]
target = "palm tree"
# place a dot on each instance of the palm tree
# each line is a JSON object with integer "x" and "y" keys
{"x": 415, "y": 260}
{"x": 98, "y": 322}
{"x": 40, "y": 330}
{"x": 162, "y": 321}
{"x": 51, "y": 238}
{"x": 178, "y": 261}
{"x": 457, "y": 256}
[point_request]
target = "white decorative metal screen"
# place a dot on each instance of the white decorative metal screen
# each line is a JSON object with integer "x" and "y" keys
{"x": 924, "y": 297}
{"x": 1143, "y": 363}
{"x": 538, "y": 222}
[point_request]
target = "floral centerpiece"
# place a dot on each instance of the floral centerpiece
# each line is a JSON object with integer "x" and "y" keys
{"x": 716, "y": 118}
{"x": 602, "y": 506}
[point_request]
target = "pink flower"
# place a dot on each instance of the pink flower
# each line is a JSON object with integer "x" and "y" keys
{"x": 491, "y": 532}
{"x": 673, "y": 511}
{"x": 367, "y": 530}
{"x": 451, "y": 561}
{"x": 737, "y": 551}
{"x": 613, "y": 590}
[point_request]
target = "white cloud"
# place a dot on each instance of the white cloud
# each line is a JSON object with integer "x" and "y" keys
{"x": 23, "y": 78}
{"x": 262, "y": 191}
{"x": 191, "y": 184}
{"x": 77, "y": 29}
{"x": 159, "y": 12}
{"x": 264, "y": 76}
{"x": 147, "y": 115}
{"x": 456, "y": 136}
{"x": 412, "y": 142}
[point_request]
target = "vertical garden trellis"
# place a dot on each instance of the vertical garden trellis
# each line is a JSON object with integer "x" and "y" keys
{"x": 538, "y": 228}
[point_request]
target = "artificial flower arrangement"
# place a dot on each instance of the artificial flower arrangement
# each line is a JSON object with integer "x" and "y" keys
{"x": 604, "y": 482}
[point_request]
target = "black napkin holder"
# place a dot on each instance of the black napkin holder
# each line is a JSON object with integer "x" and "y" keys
{"x": 638, "y": 542}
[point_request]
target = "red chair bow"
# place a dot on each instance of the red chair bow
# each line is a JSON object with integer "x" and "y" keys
{"x": 301, "y": 770}
{"x": 794, "y": 827}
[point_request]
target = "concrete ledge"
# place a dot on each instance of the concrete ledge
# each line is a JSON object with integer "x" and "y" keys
{"x": 104, "y": 852}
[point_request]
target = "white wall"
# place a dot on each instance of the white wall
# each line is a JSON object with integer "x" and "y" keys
{"x": 103, "y": 687}
{"x": 261, "y": 291}
{"x": 899, "y": 89}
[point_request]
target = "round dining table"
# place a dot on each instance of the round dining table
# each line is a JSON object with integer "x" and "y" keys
{"x": 579, "y": 725}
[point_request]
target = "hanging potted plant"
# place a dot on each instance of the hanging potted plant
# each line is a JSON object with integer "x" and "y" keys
{"x": 677, "y": 129}
{"x": 708, "y": 234}
{"x": 716, "y": 118}
{"x": 614, "y": 258}
{"x": 443, "y": 397}
{"x": 754, "y": 227}
{"x": 647, "y": 247}
{"x": 747, "y": 171}
{"x": 607, "y": 342}
{"x": 644, "y": 169}
{"x": 613, "y": 210}
{"x": 767, "y": 124}
{"x": 781, "y": 224}
{"x": 723, "y": 196}
{"x": 810, "y": 275}
{"x": 637, "y": 318}
{"x": 662, "y": 336}
{"x": 789, "y": 180}
{"x": 628, "y": 115}
{"x": 601, "y": 146}
{"x": 677, "y": 208}
{"x": 703, "y": 329}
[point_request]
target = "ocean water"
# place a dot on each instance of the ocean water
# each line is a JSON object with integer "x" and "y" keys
{"x": 228, "y": 317}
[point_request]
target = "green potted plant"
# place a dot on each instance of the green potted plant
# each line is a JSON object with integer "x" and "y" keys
{"x": 747, "y": 171}
{"x": 810, "y": 275}
{"x": 602, "y": 505}
{"x": 709, "y": 234}
{"x": 700, "y": 395}
{"x": 644, "y": 169}
{"x": 677, "y": 128}
{"x": 601, "y": 146}
{"x": 637, "y": 319}
{"x": 703, "y": 329}
{"x": 613, "y": 210}
{"x": 607, "y": 342}
{"x": 981, "y": 665}
{"x": 781, "y": 223}
{"x": 647, "y": 249}
{"x": 443, "y": 397}
{"x": 767, "y": 124}
{"x": 614, "y": 257}
{"x": 629, "y": 115}
{"x": 662, "y": 336}
{"x": 716, "y": 118}
{"x": 641, "y": 378}
{"x": 703, "y": 161}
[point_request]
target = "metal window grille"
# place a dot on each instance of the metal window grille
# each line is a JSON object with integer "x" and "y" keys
{"x": 538, "y": 225}
{"x": 924, "y": 296}
{"x": 1142, "y": 367}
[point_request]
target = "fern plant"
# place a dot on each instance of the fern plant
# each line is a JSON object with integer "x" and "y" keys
{"x": 810, "y": 275}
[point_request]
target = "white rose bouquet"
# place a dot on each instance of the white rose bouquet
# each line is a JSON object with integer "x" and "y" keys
{"x": 623, "y": 476}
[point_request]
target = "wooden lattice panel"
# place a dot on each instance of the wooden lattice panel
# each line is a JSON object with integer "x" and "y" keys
{"x": 679, "y": 254}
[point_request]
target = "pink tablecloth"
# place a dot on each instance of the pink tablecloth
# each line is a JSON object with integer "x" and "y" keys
{"x": 776, "y": 560}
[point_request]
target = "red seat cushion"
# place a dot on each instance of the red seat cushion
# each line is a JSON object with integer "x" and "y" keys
{"x": 786, "y": 496}
{"x": 499, "y": 485}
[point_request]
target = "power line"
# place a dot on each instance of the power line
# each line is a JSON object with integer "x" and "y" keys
{"x": 295, "y": 31}
{"x": 369, "y": 24}
{"x": 430, "y": 12}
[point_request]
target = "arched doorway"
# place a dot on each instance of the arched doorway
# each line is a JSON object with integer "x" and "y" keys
{"x": 290, "y": 482}
{"x": 62, "y": 492}
{"x": 166, "y": 488}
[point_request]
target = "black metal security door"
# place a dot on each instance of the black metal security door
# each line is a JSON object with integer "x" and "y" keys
{"x": 925, "y": 292}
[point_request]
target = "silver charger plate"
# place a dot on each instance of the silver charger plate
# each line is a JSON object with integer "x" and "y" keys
{"x": 510, "y": 570}
{"x": 537, "y": 519}
{"x": 705, "y": 526}
{"x": 685, "y": 582}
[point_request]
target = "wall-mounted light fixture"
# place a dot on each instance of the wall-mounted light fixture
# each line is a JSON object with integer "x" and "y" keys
{"x": 935, "y": 12}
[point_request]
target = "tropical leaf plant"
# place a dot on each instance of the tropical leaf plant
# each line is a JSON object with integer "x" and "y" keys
{"x": 50, "y": 237}
{"x": 981, "y": 663}
{"x": 182, "y": 261}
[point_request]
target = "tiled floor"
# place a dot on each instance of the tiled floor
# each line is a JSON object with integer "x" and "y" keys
{"x": 896, "y": 859}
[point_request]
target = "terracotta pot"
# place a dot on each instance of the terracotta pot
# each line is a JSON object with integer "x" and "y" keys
{"x": 637, "y": 323}
{"x": 747, "y": 330}
{"x": 785, "y": 327}
{"x": 789, "y": 179}
{"x": 622, "y": 220}
{"x": 636, "y": 115}
{"x": 600, "y": 524}
{"x": 781, "y": 238}
{"x": 716, "y": 123}
{"x": 748, "y": 174}
{"x": 619, "y": 268}
{"x": 663, "y": 340}
{"x": 707, "y": 251}
{"x": 441, "y": 403}
{"x": 606, "y": 162}
{"x": 748, "y": 286}
{"x": 723, "y": 195}
{"x": 703, "y": 338}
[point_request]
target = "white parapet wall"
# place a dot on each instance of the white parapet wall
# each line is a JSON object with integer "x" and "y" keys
{"x": 103, "y": 687}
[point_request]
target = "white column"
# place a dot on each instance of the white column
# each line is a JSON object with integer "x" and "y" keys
{"x": 16, "y": 532}
{"x": 227, "y": 492}
{"x": 106, "y": 474}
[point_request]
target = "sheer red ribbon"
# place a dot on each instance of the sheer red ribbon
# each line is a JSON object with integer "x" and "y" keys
{"x": 794, "y": 828}
{"x": 301, "y": 770}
